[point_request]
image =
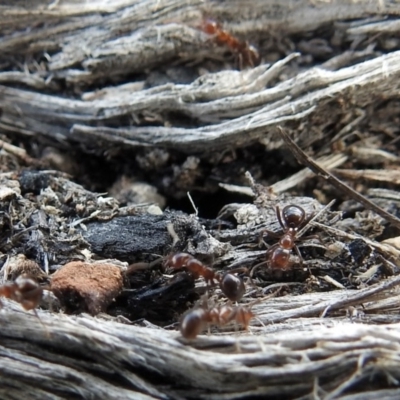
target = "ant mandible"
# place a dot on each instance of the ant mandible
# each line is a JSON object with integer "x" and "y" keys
{"x": 195, "y": 320}
{"x": 231, "y": 285}
{"x": 248, "y": 54}
{"x": 24, "y": 291}
{"x": 291, "y": 220}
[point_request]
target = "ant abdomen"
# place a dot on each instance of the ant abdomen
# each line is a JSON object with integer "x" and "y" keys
{"x": 192, "y": 323}
{"x": 232, "y": 286}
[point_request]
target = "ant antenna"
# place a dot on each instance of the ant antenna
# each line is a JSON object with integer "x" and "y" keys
{"x": 257, "y": 266}
{"x": 196, "y": 211}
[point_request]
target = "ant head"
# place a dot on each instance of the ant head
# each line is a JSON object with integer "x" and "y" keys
{"x": 293, "y": 216}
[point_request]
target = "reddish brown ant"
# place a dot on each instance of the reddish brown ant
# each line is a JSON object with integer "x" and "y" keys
{"x": 195, "y": 266}
{"x": 24, "y": 291}
{"x": 291, "y": 220}
{"x": 231, "y": 285}
{"x": 195, "y": 320}
{"x": 248, "y": 55}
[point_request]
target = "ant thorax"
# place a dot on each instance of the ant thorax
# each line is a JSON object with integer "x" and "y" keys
{"x": 287, "y": 241}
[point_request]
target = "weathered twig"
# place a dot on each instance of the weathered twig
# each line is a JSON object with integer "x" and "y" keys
{"x": 317, "y": 169}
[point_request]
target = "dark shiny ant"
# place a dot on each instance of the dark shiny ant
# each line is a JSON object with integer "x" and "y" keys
{"x": 24, "y": 291}
{"x": 248, "y": 55}
{"x": 291, "y": 219}
{"x": 230, "y": 283}
{"x": 194, "y": 321}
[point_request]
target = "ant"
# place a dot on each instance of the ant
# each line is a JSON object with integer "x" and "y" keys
{"x": 24, "y": 291}
{"x": 231, "y": 285}
{"x": 291, "y": 220}
{"x": 248, "y": 55}
{"x": 195, "y": 320}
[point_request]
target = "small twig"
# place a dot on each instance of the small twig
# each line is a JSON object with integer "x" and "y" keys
{"x": 174, "y": 235}
{"x": 196, "y": 211}
{"x": 333, "y": 282}
{"x": 304, "y": 159}
{"x": 18, "y": 152}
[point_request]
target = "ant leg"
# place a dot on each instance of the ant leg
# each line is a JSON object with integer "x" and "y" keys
{"x": 240, "y": 61}
{"x": 269, "y": 251}
{"x": 239, "y": 270}
{"x": 301, "y": 259}
{"x": 42, "y": 323}
{"x": 271, "y": 234}
{"x": 261, "y": 240}
{"x": 238, "y": 349}
{"x": 253, "y": 285}
{"x": 299, "y": 255}
{"x": 315, "y": 236}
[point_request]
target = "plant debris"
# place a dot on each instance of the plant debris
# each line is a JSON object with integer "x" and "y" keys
{"x": 87, "y": 287}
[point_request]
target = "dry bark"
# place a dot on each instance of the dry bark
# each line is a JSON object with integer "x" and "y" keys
{"x": 88, "y": 46}
{"x": 298, "y": 357}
